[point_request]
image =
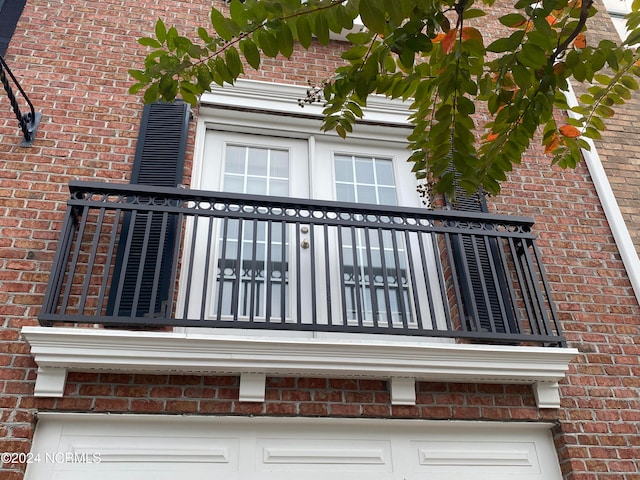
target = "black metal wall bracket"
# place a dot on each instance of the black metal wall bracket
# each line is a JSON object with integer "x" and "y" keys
{"x": 28, "y": 121}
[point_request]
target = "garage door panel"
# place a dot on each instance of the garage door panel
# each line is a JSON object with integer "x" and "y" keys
{"x": 472, "y": 458}
{"x": 148, "y": 447}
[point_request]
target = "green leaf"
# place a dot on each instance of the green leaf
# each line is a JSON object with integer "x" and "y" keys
{"x": 152, "y": 93}
{"x": 629, "y": 82}
{"x": 250, "y": 52}
{"x": 204, "y": 77}
{"x": 355, "y": 53}
{"x": 303, "y": 30}
{"x": 474, "y": 13}
{"x": 532, "y": 56}
{"x": 232, "y": 59}
{"x": 373, "y": 16}
{"x": 139, "y": 75}
{"x": 508, "y": 44}
{"x": 149, "y": 42}
{"x": 512, "y": 20}
{"x": 285, "y": 40}
{"x": 267, "y": 42}
{"x": 321, "y": 28}
{"x": 221, "y": 25}
{"x": 360, "y": 38}
{"x": 237, "y": 12}
{"x": 204, "y": 35}
{"x": 161, "y": 31}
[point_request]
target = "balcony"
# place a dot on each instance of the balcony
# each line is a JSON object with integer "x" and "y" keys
{"x": 364, "y": 291}
{"x": 143, "y": 257}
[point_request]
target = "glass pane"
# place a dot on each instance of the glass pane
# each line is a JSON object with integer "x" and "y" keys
{"x": 344, "y": 169}
{"x": 234, "y": 184}
{"x": 345, "y": 193}
{"x": 384, "y": 173}
{"x": 235, "y": 159}
{"x": 258, "y": 161}
{"x": 279, "y": 167}
{"x": 256, "y": 186}
{"x": 387, "y": 196}
{"x": 367, "y": 194}
{"x": 364, "y": 170}
{"x": 279, "y": 188}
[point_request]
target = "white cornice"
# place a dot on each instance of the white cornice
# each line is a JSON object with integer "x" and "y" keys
{"x": 59, "y": 350}
{"x": 283, "y": 98}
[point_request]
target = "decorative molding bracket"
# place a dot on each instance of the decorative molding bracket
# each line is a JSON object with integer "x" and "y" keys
{"x": 61, "y": 350}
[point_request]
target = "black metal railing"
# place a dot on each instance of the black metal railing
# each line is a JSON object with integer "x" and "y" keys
{"x": 138, "y": 256}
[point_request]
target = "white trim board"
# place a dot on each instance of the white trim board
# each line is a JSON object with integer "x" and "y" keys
{"x": 60, "y": 350}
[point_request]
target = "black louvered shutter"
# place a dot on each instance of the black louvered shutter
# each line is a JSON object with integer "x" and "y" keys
{"x": 10, "y": 11}
{"x": 142, "y": 275}
{"x": 481, "y": 277}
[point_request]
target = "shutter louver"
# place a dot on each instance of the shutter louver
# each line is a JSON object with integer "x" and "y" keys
{"x": 142, "y": 277}
{"x": 481, "y": 276}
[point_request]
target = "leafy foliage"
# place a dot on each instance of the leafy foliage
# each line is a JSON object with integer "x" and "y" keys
{"x": 432, "y": 53}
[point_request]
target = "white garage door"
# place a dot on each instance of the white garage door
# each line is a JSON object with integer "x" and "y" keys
{"x": 141, "y": 447}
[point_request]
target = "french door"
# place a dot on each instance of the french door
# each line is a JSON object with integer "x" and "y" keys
{"x": 253, "y": 276}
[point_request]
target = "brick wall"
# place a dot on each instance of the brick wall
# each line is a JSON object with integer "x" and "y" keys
{"x": 72, "y": 58}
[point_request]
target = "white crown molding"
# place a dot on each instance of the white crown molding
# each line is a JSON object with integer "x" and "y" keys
{"x": 60, "y": 350}
{"x": 283, "y": 99}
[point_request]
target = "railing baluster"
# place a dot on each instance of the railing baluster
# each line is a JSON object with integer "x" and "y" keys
{"x": 284, "y": 261}
{"x": 412, "y": 279}
{"x": 60, "y": 262}
{"x": 268, "y": 273}
{"x": 312, "y": 273}
{"x": 343, "y": 285}
{"x": 549, "y": 315}
{"x": 385, "y": 278}
{"x": 90, "y": 263}
{"x": 158, "y": 267}
{"x": 522, "y": 283}
{"x": 237, "y": 283}
{"x": 173, "y": 275}
{"x": 207, "y": 268}
{"x": 398, "y": 268}
{"x": 252, "y": 283}
{"x": 108, "y": 261}
{"x": 222, "y": 260}
{"x": 372, "y": 280}
{"x": 192, "y": 254}
{"x": 327, "y": 274}
{"x": 298, "y": 274}
{"x": 74, "y": 259}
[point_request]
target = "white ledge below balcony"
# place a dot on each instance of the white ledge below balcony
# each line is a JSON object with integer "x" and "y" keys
{"x": 60, "y": 350}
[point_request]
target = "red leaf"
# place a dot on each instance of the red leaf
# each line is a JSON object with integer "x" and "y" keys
{"x": 470, "y": 33}
{"x": 569, "y": 131}
{"x": 580, "y": 41}
{"x": 449, "y": 41}
{"x": 554, "y": 142}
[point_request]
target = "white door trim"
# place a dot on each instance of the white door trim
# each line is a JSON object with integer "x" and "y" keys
{"x": 119, "y": 446}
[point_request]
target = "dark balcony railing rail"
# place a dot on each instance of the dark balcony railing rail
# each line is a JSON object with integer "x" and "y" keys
{"x": 138, "y": 256}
